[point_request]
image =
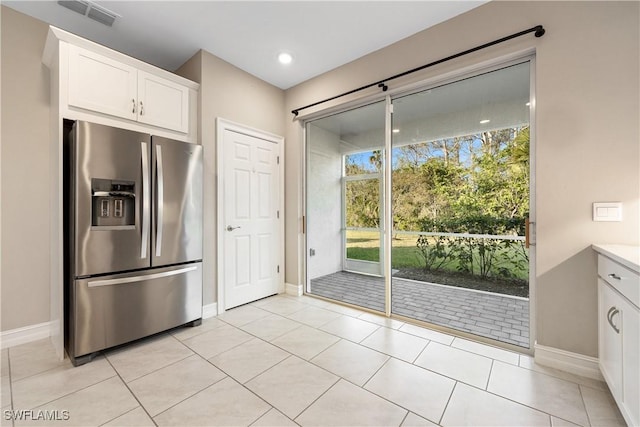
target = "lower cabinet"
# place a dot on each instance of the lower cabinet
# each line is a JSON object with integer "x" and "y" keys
{"x": 610, "y": 337}
{"x": 619, "y": 338}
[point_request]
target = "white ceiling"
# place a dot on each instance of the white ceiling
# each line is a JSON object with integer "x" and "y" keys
{"x": 321, "y": 35}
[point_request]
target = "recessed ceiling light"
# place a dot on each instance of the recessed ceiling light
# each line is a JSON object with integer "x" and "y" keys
{"x": 484, "y": 122}
{"x": 285, "y": 58}
{"x": 396, "y": 131}
{"x": 528, "y": 104}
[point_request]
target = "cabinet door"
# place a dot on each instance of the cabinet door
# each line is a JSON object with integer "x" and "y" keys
{"x": 101, "y": 84}
{"x": 610, "y": 339}
{"x": 162, "y": 103}
{"x": 631, "y": 362}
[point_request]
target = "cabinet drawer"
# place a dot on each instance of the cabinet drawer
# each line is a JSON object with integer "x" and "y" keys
{"x": 621, "y": 278}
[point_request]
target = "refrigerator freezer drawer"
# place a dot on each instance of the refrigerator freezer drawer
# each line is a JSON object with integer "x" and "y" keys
{"x": 112, "y": 310}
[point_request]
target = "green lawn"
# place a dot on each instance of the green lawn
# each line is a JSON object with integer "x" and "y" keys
{"x": 365, "y": 245}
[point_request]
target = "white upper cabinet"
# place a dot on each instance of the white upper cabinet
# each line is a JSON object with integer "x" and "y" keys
{"x": 101, "y": 84}
{"x": 162, "y": 102}
{"x": 104, "y": 85}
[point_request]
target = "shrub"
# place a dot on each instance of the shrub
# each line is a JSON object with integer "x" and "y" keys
{"x": 484, "y": 257}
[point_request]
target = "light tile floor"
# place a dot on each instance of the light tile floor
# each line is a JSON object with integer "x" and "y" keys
{"x": 298, "y": 361}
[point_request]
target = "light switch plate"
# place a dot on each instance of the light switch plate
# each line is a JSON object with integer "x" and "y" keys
{"x": 607, "y": 211}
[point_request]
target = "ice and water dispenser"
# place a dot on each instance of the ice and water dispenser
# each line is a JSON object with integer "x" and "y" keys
{"x": 113, "y": 203}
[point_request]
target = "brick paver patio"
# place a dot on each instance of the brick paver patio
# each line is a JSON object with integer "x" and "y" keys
{"x": 500, "y": 317}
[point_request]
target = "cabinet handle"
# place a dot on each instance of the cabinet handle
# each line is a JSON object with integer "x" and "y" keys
{"x": 612, "y": 312}
{"x": 141, "y": 109}
{"x": 614, "y": 276}
{"x": 133, "y": 110}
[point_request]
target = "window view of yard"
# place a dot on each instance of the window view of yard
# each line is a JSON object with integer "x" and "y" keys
{"x": 459, "y": 210}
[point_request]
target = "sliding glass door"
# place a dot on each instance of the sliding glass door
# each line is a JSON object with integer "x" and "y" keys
{"x": 459, "y": 205}
{"x": 345, "y": 199}
{"x": 461, "y": 201}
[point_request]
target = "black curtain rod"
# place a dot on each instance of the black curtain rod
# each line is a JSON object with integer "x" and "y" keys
{"x": 538, "y": 30}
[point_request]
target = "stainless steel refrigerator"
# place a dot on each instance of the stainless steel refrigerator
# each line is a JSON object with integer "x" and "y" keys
{"x": 133, "y": 225}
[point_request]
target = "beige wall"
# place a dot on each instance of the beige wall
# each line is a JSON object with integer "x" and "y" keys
{"x": 25, "y": 172}
{"x": 587, "y": 133}
{"x": 232, "y": 94}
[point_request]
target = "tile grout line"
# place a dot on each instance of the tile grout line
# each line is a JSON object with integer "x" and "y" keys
{"x": 155, "y": 370}
{"x": 372, "y": 332}
{"x": 585, "y": 405}
{"x": 405, "y": 418}
{"x": 229, "y": 349}
{"x": 486, "y": 386}
{"x": 326, "y": 349}
{"x": 448, "y": 401}
{"x": 118, "y": 416}
{"x": 131, "y": 391}
{"x": 260, "y": 397}
{"x": 76, "y": 391}
{"x": 256, "y": 375}
{"x": 278, "y": 336}
{"x": 421, "y": 353}
{"x": 363, "y": 387}
{"x": 186, "y": 398}
{"x": 318, "y": 398}
{"x": 376, "y": 372}
{"x": 37, "y": 373}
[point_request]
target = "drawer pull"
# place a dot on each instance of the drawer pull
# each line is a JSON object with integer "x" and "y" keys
{"x": 614, "y": 276}
{"x": 612, "y": 312}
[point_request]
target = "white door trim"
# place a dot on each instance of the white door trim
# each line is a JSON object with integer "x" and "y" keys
{"x": 223, "y": 125}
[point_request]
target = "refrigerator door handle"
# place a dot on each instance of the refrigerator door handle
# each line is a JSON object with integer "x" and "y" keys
{"x": 133, "y": 279}
{"x": 159, "y": 201}
{"x": 146, "y": 195}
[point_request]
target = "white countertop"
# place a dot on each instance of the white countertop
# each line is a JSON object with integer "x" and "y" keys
{"x": 627, "y": 255}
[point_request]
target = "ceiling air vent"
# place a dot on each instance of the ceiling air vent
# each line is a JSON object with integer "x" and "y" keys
{"x": 91, "y": 10}
{"x": 77, "y": 6}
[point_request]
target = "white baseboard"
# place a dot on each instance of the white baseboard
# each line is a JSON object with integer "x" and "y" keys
{"x": 567, "y": 361}
{"x": 14, "y": 337}
{"x": 295, "y": 290}
{"x": 209, "y": 310}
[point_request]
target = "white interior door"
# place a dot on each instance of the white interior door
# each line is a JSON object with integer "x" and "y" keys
{"x": 251, "y": 229}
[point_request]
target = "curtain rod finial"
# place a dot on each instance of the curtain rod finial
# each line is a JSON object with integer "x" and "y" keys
{"x": 295, "y": 113}
{"x": 540, "y": 31}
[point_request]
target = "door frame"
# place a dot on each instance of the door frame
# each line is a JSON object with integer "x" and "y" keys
{"x": 223, "y": 125}
{"x": 495, "y": 63}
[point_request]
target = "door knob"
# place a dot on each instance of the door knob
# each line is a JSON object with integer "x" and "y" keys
{"x": 230, "y": 228}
